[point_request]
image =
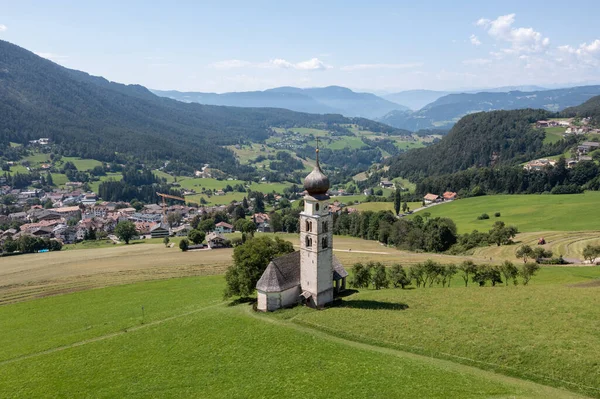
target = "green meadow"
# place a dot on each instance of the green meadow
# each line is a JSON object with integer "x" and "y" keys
{"x": 569, "y": 212}
{"x": 177, "y": 338}
{"x": 82, "y": 164}
{"x": 553, "y": 134}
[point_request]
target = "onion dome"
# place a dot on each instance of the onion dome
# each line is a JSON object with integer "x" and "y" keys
{"x": 316, "y": 182}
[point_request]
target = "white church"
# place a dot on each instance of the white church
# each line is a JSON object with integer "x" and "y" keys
{"x": 312, "y": 275}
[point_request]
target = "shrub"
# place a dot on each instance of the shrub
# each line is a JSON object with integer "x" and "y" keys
{"x": 483, "y": 216}
{"x": 184, "y": 244}
{"x": 497, "y": 214}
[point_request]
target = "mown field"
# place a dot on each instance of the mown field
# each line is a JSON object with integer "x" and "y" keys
{"x": 383, "y": 206}
{"x": 568, "y": 244}
{"x": 187, "y": 342}
{"x": 530, "y": 213}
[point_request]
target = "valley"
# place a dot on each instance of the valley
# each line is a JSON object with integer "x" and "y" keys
{"x": 297, "y": 242}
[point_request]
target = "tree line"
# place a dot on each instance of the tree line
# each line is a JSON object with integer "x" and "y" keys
{"x": 428, "y": 273}
{"x": 418, "y": 234}
{"x": 556, "y": 179}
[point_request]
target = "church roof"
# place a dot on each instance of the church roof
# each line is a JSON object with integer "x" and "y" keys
{"x": 338, "y": 270}
{"x": 281, "y": 274}
{"x": 316, "y": 182}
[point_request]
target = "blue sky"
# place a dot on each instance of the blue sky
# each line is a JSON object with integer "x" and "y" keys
{"x": 369, "y": 45}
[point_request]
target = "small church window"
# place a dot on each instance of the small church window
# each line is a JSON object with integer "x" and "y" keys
{"x": 324, "y": 242}
{"x": 307, "y": 226}
{"x": 325, "y": 227}
{"x": 317, "y": 207}
{"x": 308, "y": 242}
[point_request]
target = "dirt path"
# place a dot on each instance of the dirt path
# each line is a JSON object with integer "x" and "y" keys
{"x": 358, "y": 252}
{"x": 538, "y": 390}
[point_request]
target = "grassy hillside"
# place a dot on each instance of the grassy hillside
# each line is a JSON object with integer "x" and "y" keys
{"x": 572, "y": 212}
{"x": 187, "y": 342}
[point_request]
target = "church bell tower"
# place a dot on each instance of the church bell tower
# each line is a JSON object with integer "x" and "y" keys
{"x": 316, "y": 225}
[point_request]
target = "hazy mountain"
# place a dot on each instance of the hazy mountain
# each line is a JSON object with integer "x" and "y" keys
{"x": 506, "y": 89}
{"x": 91, "y": 117}
{"x": 256, "y": 99}
{"x": 415, "y": 99}
{"x": 325, "y": 100}
{"x": 447, "y": 110}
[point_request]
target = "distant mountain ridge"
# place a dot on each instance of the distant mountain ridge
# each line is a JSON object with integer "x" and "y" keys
{"x": 447, "y": 110}
{"x": 91, "y": 117}
{"x": 417, "y": 99}
{"x": 322, "y": 100}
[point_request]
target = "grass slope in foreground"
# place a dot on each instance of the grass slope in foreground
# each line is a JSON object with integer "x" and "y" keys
{"x": 193, "y": 345}
{"x": 569, "y": 212}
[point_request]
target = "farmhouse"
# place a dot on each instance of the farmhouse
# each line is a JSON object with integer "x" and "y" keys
{"x": 312, "y": 275}
{"x": 159, "y": 231}
{"x": 215, "y": 240}
{"x": 431, "y": 198}
{"x": 386, "y": 184}
{"x": 538, "y": 164}
{"x": 223, "y": 228}
{"x": 449, "y": 196}
{"x": 587, "y": 146}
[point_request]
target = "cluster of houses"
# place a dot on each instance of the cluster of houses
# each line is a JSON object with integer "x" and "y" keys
{"x": 582, "y": 154}
{"x": 434, "y": 198}
{"x": 570, "y": 128}
{"x": 75, "y": 214}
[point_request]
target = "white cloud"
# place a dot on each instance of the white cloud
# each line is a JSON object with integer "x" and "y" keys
{"x": 477, "y": 61}
{"x": 3, "y": 28}
{"x": 312, "y": 65}
{"x": 585, "y": 54}
{"x": 52, "y": 56}
{"x": 521, "y": 40}
{"x": 357, "y": 67}
{"x": 584, "y": 49}
{"x": 475, "y": 40}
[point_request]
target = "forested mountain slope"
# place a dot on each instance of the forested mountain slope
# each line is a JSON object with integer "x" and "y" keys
{"x": 481, "y": 139}
{"x": 91, "y": 117}
{"x": 590, "y": 108}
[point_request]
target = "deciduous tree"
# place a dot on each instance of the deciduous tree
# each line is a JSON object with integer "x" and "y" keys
{"x": 250, "y": 261}
{"x": 125, "y": 231}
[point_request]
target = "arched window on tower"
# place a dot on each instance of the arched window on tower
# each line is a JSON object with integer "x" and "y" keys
{"x": 308, "y": 242}
{"x": 307, "y": 226}
{"x": 324, "y": 242}
{"x": 325, "y": 227}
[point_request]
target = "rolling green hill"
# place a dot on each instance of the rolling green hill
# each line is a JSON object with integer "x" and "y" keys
{"x": 530, "y": 213}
